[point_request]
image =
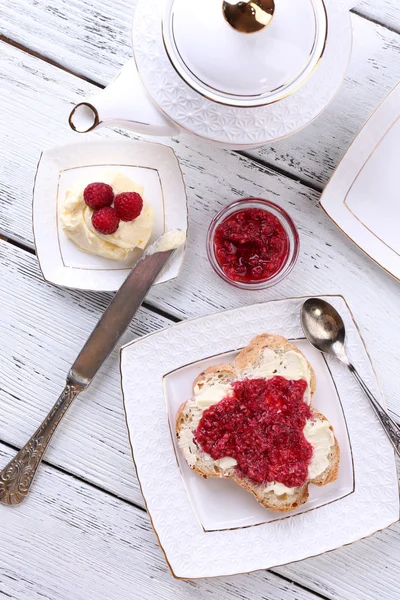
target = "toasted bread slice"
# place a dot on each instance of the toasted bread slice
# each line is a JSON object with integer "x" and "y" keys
{"x": 213, "y": 385}
{"x": 248, "y": 359}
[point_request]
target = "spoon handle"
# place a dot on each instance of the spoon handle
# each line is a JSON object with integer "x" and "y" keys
{"x": 391, "y": 428}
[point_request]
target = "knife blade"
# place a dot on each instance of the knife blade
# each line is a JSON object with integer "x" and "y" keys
{"x": 117, "y": 317}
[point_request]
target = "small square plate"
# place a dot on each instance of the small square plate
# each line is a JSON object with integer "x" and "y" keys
{"x": 152, "y": 165}
{"x": 221, "y": 504}
{"x": 212, "y": 527}
{"x": 362, "y": 195}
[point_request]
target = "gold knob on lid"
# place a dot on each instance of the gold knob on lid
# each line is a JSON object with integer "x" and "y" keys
{"x": 249, "y": 16}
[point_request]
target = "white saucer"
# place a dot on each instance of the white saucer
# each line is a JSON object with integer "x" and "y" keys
{"x": 210, "y": 528}
{"x": 152, "y": 165}
{"x": 363, "y": 197}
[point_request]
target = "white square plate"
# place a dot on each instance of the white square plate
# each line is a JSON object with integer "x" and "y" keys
{"x": 221, "y": 504}
{"x": 154, "y": 166}
{"x": 362, "y": 197}
{"x": 211, "y": 528}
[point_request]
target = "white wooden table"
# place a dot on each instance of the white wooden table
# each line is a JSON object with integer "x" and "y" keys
{"x": 84, "y": 534}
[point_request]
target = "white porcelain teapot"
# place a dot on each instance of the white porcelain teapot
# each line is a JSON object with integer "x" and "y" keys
{"x": 239, "y": 73}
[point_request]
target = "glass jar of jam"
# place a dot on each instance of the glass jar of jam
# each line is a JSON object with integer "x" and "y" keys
{"x": 253, "y": 244}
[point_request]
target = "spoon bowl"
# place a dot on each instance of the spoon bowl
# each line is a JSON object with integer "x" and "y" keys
{"x": 324, "y": 327}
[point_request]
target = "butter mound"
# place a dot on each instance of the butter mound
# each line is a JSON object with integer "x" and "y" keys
{"x": 76, "y": 221}
{"x": 171, "y": 240}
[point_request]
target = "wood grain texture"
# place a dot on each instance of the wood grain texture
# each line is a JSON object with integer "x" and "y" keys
{"x": 96, "y": 42}
{"x": 363, "y": 571}
{"x": 41, "y": 96}
{"x": 70, "y": 540}
{"x": 42, "y": 329}
{"x": 385, "y": 12}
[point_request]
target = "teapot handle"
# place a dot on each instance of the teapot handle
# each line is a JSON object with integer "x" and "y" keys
{"x": 124, "y": 102}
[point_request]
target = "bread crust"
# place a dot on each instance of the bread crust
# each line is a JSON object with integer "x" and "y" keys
{"x": 277, "y": 343}
{"x": 226, "y": 373}
{"x": 224, "y": 369}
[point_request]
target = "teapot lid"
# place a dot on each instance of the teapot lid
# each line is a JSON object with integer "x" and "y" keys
{"x": 245, "y": 52}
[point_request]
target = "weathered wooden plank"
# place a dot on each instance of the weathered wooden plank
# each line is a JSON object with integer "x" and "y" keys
{"x": 386, "y": 12}
{"x": 42, "y": 328}
{"x": 41, "y": 96}
{"x": 70, "y": 540}
{"x": 366, "y": 570}
{"x": 95, "y": 42}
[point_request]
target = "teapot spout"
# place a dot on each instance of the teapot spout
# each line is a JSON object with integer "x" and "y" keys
{"x": 124, "y": 102}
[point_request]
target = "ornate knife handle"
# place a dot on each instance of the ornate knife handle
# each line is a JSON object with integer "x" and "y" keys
{"x": 391, "y": 428}
{"x": 16, "y": 479}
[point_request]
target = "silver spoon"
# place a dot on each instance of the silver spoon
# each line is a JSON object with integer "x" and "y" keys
{"x": 324, "y": 329}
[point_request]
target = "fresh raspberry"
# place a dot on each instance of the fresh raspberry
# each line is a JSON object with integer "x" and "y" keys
{"x": 105, "y": 220}
{"x": 98, "y": 195}
{"x": 128, "y": 205}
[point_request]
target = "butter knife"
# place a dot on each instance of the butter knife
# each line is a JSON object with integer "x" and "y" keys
{"x": 17, "y": 477}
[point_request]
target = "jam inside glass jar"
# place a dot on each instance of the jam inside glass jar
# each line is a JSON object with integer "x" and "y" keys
{"x": 251, "y": 245}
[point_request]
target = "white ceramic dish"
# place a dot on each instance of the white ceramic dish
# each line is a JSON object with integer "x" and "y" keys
{"x": 362, "y": 197}
{"x": 152, "y": 165}
{"x": 211, "y": 528}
